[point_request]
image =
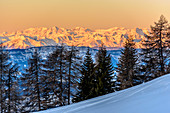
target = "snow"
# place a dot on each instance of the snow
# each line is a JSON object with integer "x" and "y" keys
{"x": 150, "y": 97}
{"x": 36, "y": 37}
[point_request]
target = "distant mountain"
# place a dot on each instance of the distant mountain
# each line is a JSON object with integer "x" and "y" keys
{"x": 79, "y": 36}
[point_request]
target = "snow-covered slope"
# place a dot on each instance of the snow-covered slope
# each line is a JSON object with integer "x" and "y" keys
{"x": 150, "y": 97}
{"x": 79, "y": 36}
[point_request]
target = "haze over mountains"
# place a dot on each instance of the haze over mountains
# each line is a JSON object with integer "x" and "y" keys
{"x": 79, "y": 36}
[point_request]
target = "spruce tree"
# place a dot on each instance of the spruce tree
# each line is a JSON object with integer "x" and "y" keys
{"x": 126, "y": 68}
{"x": 104, "y": 72}
{"x": 85, "y": 87}
{"x": 156, "y": 53}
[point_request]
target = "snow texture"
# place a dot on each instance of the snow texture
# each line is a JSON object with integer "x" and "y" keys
{"x": 150, "y": 97}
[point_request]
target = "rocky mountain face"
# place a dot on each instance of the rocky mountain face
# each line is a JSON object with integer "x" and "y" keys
{"x": 79, "y": 36}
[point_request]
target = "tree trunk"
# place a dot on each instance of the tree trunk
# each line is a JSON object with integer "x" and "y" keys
{"x": 69, "y": 82}
{"x": 1, "y": 85}
{"x": 9, "y": 92}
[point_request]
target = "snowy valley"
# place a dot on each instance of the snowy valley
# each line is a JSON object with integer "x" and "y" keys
{"x": 20, "y": 56}
{"x": 150, "y": 97}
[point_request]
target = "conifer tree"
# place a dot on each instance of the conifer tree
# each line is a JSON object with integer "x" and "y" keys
{"x": 16, "y": 98}
{"x": 51, "y": 79}
{"x": 62, "y": 73}
{"x": 86, "y": 82}
{"x": 156, "y": 53}
{"x": 73, "y": 70}
{"x": 3, "y": 64}
{"x": 32, "y": 84}
{"x": 10, "y": 79}
{"x": 8, "y": 72}
{"x": 55, "y": 74}
{"x": 127, "y": 76}
{"x": 104, "y": 72}
{"x": 47, "y": 95}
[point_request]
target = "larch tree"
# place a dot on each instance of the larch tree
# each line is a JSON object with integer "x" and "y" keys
{"x": 73, "y": 70}
{"x": 10, "y": 80}
{"x": 3, "y": 67}
{"x": 156, "y": 52}
{"x": 31, "y": 83}
{"x": 8, "y": 75}
{"x": 55, "y": 69}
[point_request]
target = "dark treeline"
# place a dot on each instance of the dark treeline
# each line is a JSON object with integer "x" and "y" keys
{"x": 65, "y": 77}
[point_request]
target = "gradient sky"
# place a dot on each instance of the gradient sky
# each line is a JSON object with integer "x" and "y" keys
{"x": 94, "y": 14}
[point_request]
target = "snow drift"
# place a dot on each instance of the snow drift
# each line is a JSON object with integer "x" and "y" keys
{"x": 150, "y": 97}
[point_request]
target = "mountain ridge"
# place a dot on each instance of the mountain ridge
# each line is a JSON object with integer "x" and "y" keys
{"x": 79, "y": 36}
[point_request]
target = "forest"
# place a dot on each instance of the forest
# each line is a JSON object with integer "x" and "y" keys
{"x": 65, "y": 77}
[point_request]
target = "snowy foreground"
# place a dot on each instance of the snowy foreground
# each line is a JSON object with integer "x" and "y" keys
{"x": 150, "y": 97}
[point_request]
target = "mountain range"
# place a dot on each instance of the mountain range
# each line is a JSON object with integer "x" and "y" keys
{"x": 79, "y": 36}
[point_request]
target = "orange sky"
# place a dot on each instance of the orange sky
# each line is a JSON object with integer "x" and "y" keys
{"x": 94, "y": 14}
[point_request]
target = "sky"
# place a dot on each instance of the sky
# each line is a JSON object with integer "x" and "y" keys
{"x": 94, "y": 14}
